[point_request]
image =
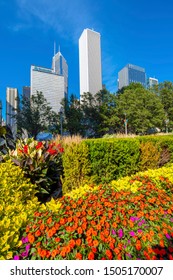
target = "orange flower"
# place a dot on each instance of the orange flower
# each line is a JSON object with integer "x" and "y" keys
{"x": 31, "y": 238}
{"x": 62, "y": 221}
{"x": 42, "y": 226}
{"x": 49, "y": 220}
{"x": 38, "y": 233}
{"x": 43, "y": 253}
{"x": 161, "y": 243}
{"x": 57, "y": 239}
{"x": 98, "y": 227}
{"x": 138, "y": 245}
{"x": 109, "y": 254}
{"x": 91, "y": 256}
{"x": 72, "y": 243}
{"x": 54, "y": 253}
{"x": 95, "y": 243}
{"x": 78, "y": 256}
{"x": 78, "y": 242}
{"x": 79, "y": 230}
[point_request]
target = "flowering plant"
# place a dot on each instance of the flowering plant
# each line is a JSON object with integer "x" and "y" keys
{"x": 105, "y": 224}
{"x": 42, "y": 163}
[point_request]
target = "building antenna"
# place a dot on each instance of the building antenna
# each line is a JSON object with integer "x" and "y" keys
{"x": 54, "y": 57}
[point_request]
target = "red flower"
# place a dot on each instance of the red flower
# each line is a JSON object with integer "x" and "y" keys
{"x": 39, "y": 145}
{"x": 25, "y": 149}
{"x": 52, "y": 152}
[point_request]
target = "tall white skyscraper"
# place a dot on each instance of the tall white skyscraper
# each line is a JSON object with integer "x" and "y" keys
{"x": 11, "y": 106}
{"x": 60, "y": 67}
{"x": 90, "y": 62}
{"x": 50, "y": 84}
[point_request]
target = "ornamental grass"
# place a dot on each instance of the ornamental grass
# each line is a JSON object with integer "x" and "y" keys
{"x": 105, "y": 224}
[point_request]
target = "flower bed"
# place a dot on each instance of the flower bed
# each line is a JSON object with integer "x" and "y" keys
{"x": 105, "y": 224}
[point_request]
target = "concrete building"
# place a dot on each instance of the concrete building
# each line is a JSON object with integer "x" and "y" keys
{"x": 50, "y": 84}
{"x": 60, "y": 67}
{"x": 90, "y": 69}
{"x": 131, "y": 74}
{"x": 11, "y": 107}
{"x": 26, "y": 92}
{"x": 152, "y": 82}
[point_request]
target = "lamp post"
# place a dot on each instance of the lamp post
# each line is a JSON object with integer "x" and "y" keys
{"x": 61, "y": 119}
{"x": 125, "y": 123}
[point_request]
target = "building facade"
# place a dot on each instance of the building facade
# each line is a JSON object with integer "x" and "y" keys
{"x": 11, "y": 107}
{"x": 50, "y": 84}
{"x": 60, "y": 67}
{"x": 152, "y": 82}
{"x": 131, "y": 74}
{"x": 26, "y": 92}
{"x": 90, "y": 69}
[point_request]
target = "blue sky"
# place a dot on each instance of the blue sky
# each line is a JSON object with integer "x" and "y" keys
{"x": 132, "y": 31}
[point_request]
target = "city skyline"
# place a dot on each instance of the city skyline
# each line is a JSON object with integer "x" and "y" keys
{"x": 131, "y": 32}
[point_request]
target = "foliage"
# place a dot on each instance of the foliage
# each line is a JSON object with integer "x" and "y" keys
{"x": 143, "y": 109}
{"x": 6, "y": 140}
{"x": 149, "y": 156}
{"x": 35, "y": 115}
{"x": 111, "y": 159}
{"x": 17, "y": 204}
{"x": 76, "y": 166}
{"x": 106, "y": 224}
{"x": 42, "y": 163}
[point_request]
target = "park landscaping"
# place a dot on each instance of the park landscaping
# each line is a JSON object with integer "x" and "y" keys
{"x": 115, "y": 200}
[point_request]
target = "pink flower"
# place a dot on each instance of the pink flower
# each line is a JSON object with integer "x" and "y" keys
{"x": 120, "y": 233}
{"x": 132, "y": 233}
{"x": 16, "y": 257}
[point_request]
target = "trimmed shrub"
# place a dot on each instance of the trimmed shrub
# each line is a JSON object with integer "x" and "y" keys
{"x": 113, "y": 158}
{"x": 17, "y": 204}
{"x": 149, "y": 156}
{"x": 76, "y": 166}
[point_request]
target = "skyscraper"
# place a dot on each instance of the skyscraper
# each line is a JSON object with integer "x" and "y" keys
{"x": 90, "y": 62}
{"x": 60, "y": 67}
{"x": 26, "y": 92}
{"x": 11, "y": 107}
{"x": 152, "y": 82}
{"x": 131, "y": 74}
{"x": 50, "y": 84}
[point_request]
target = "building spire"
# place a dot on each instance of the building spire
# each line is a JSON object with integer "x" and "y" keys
{"x": 59, "y": 49}
{"x": 54, "y": 57}
{"x": 54, "y": 48}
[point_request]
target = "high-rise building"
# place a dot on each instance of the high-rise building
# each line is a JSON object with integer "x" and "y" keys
{"x": 50, "y": 84}
{"x": 90, "y": 62}
{"x": 60, "y": 67}
{"x": 11, "y": 107}
{"x": 26, "y": 92}
{"x": 152, "y": 82}
{"x": 131, "y": 74}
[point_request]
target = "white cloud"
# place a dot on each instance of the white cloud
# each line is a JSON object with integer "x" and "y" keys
{"x": 67, "y": 18}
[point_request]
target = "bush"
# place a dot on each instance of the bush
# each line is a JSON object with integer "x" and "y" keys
{"x": 106, "y": 224}
{"x": 17, "y": 204}
{"x": 41, "y": 163}
{"x": 76, "y": 166}
{"x": 149, "y": 156}
{"x": 113, "y": 158}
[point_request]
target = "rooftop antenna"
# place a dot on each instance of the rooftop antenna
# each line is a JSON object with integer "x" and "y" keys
{"x": 54, "y": 57}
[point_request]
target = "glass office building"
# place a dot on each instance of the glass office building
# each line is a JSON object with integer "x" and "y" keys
{"x": 131, "y": 74}
{"x": 11, "y": 108}
{"x": 60, "y": 67}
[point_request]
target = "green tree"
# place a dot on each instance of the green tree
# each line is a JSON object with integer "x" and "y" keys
{"x": 165, "y": 92}
{"x": 141, "y": 107}
{"x": 35, "y": 115}
{"x": 73, "y": 115}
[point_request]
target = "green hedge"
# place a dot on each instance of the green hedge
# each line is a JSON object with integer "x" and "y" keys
{"x": 104, "y": 160}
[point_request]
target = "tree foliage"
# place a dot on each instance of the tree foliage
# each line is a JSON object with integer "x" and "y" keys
{"x": 36, "y": 115}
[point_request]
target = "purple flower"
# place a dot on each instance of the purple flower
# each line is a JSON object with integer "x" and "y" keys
{"x": 27, "y": 247}
{"x": 171, "y": 219}
{"x": 129, "y": 241}
{"x": 24, "y": 240}
{"x": 132, "y": 233}
{"x": 128, "y": 255}
{"x": 113, "y": 232}
{"x": 120, "y": 233}
{"x": 168, "y": 236}
{"x": 139, "y": 230}
{"x": 141, "y": 223}
{"x": 134, "y": 219}
{"x": 16, "y": 257}
{"x": 24, "y": 254}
